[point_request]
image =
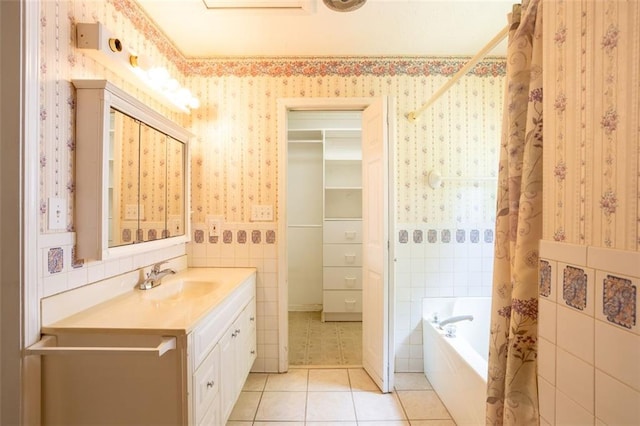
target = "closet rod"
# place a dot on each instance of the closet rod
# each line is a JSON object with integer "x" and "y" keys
{"x": 413, "y": 115}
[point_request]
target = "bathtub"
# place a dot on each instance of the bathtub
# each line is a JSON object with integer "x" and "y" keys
{"x": 456, "y": 367}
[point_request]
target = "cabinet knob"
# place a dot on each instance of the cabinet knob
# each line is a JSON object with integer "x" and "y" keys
{"x": 237, "y": 331}
{"x": 210, "y": 384}
{"x": 234, "y": 334}
{"x": 252, "y": 319}
{"x": 253, "y": 352}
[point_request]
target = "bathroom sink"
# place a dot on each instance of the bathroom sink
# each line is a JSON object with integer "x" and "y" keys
{"x": 179, "y": 289}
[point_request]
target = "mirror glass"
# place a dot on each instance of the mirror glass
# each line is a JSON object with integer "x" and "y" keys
{"x": 175, "y": 184}
{"x": 146, "y": 182}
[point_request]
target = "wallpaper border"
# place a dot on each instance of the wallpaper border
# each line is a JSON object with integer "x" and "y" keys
{"x": 382, "y": 66}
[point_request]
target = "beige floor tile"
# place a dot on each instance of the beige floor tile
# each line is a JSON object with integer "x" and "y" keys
{"x": 282, "y": 406}
{"x": 331, "y": 424}
{"x": 329, "y": 380}
{"x": 246, "y": 406}
{"x": 255, "y": 382}
{"x": 330, "y": 406}
{"x": 293, "y": 380}
{"x": 411, "y": 381}
{"x": 360, "y": 380}
{"x": 234, "y": 423}
{"x": 433, "y": 423}
{"x": 423, "y": 405}
{"x": 377, "y": 406}
{"x": 279, "y": 424}
{"x": 385, "y": 423}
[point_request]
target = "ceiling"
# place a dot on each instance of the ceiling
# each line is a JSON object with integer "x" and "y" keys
{"x": 378, "y": 28}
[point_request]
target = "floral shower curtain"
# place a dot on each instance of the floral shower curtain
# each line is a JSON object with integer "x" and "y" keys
{"x": 512, "y": 394}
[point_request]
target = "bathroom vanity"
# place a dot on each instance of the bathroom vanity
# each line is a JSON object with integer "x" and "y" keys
{"x": 175, "y": 354}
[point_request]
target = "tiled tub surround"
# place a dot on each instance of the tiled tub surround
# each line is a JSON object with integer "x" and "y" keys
{"x": 589, "y": 335}
{"x": 252, "y": 244}
{"x": 436, "y": 261}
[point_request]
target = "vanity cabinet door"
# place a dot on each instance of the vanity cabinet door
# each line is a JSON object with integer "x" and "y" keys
{"x": 237, "y": 353}
{"x": 206, "y": 383}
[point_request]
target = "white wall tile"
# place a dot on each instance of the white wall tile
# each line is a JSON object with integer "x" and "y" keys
{"x": 568, "y": 412}
{"x": 547, "y": 360}
{"x": 617, "y": 353}
{"x": 547, "y": 320}
{"x": 624, "y": 262}
{"x": 616, "y": 403}
{"x": 563, "y": 252}
{"x": 575, "y": 333}
{"x": 547, "y": 400}
{"x": 575, "y": 378}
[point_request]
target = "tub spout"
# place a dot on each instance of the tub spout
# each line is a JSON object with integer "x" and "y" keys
{"x": 455, "y": 319}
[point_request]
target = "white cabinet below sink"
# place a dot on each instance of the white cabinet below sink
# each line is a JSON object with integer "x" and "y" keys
{"x": 114, "y": 377}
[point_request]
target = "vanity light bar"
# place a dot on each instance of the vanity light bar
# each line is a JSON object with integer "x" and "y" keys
{"x": 96, "y": 37}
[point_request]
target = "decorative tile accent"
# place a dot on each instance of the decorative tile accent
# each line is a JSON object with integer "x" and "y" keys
{"x": 545, "y": 278}
{"x": 198, "y": 236}
{"x": 271, "y": 236}
{"x": 574, "y": 287}
{"x": 256, "y": 236}
{"x": 417, "y": 236}
{"x": 126, "y": 235}
{"x": 432, "y": 236}
{"x": 488, "y": 235}
{"x": 139, "y": 235}
{"x": 75, "y": 262}
{"x": 461, "y": 235}
{"x": 445, "y": 236}
{"x": 474, "y": 236}
{"x": 242, "y": 237}
{"x": 55, "y": 260}
{"x": 213, "y": 239}
{"x": 152, "y": 234}
{"x": 619, "y": 301}
{"x": 165, "y": 233}
{"x": 403, "y": 236}
{"x": 227, "y": 237}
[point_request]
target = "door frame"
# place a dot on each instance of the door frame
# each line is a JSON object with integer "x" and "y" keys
{"x": 284, "y": 105}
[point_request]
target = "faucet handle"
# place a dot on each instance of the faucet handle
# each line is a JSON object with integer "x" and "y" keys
{"x": 156, "y": 266}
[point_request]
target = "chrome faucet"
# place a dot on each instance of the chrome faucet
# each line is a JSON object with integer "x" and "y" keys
{"x": 454, "y": 319}
{"x": 154, "y": 277}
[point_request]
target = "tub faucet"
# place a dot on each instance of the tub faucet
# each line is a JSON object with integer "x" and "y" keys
{"x": 154, "y": 277}
{"x": 455, "y": 319}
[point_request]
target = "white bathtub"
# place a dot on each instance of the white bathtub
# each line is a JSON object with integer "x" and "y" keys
{"x": 456, "y": 367}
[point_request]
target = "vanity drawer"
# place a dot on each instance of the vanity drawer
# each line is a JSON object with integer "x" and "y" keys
{"x": 342, "y": 254}
{"x": 206, "y": 383}
{"x": 342, "y": 278}
{"x": 342, "y": 231}
{"x": 342, "y": 301}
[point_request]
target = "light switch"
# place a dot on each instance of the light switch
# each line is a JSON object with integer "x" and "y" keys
{"x": 57, "y": 210}
{"x": 262, "y": 213}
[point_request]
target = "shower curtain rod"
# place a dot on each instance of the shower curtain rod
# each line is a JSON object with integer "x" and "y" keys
{"x": 413, "y": 115}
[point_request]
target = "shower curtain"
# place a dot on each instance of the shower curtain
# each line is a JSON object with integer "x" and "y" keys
{"x": 512, "y": 395}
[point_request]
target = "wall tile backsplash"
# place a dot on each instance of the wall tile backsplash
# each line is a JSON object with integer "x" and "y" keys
{"x": 588, "y": 316}
{"x": 449, "y": 262}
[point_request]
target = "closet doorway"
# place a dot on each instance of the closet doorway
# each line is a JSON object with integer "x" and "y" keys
{"x": 334, "y": 222}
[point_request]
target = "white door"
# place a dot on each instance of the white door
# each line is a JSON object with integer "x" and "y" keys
{"x": 375, "y": 214}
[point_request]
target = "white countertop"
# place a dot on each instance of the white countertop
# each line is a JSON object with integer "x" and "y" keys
{"x": 161, "y": 310}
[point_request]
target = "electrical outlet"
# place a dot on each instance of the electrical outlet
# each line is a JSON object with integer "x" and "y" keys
{"x": 262, "y": 213}
{"x": 131, "y": 212}
{"x": 57, "y": 213}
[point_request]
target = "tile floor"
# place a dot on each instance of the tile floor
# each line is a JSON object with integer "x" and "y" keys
{"x": 313, "y": 342}
{"x": 339, "y": 397}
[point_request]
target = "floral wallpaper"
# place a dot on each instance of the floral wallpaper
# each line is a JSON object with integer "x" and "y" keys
{"x": 235, "y": 151}
{"x": 591, "y": 174}
{"x": 60, "y": 63}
